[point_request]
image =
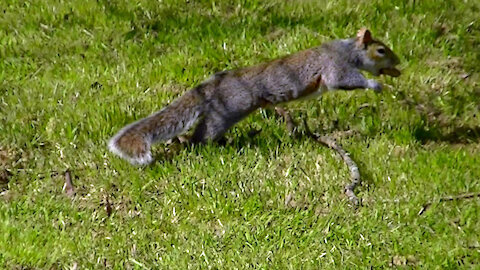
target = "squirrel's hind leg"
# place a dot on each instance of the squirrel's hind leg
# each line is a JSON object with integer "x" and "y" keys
{"x": 210, "y": 128}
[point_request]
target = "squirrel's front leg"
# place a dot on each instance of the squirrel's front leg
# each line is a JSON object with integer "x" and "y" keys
{"x": 373, "y": 84}
{"x": 354, "y": 80}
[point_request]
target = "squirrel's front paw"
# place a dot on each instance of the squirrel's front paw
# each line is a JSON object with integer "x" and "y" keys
{"x": 376, "y": 86}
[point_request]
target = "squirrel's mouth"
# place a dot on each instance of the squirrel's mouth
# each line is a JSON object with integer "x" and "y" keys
{"x": 390, "y": 71}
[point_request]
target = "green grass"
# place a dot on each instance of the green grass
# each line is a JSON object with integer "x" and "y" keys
{"x": 72, "y": 73}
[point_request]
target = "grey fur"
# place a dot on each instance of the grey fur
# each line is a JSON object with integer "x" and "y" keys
{"x": 229, "y": 96}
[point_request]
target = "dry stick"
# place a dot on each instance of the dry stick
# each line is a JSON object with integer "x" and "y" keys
{"x": 68, "y": 187}
{"x": 352, "y": 166}
{"x": 291, "y": 125}
{"x": 449, "y": 199}
{"x": 330, "y": 142}
{"x": 108, "y": 205}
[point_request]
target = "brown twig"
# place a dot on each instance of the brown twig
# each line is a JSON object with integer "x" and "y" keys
{"x": 330, "y": 142}
{"x": 449, "y": 199}
{"x": 68, "y": 187}
{"x": 291, "y": 125}
{"x": 108, "y": 206}
{"x": 352, "y": 166}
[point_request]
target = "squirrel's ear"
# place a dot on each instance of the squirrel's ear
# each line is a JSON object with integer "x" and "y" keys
{"x": 364, "y": 36}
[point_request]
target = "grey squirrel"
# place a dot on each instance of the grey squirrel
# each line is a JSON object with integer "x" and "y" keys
{"x": 228, "y": 96}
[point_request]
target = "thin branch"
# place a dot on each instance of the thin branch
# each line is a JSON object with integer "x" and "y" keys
{"x": 68, "y": 187}
{"x": 352, "y": 166}
{"x": 108, "y": 205}
{"x": 291, "y": 125}
{"x": 449, "y": 199}
{"x": 331, "y": 143}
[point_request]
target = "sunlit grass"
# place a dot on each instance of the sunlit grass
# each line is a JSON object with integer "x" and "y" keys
{"x": 73, "y": 73}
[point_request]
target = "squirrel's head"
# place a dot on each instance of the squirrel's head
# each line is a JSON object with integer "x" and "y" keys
{"x": 376, "y": 57}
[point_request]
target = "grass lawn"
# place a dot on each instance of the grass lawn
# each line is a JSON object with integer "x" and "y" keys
{"x": 72, "y": 73}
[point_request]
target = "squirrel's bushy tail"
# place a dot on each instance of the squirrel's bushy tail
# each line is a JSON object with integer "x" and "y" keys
{"x": 134, "y": 140}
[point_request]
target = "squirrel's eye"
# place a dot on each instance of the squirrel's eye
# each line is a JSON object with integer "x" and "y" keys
{"x": 381, "y": 50}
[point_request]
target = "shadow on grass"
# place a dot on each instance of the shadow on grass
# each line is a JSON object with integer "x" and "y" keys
{"x": 456, "y": 135}
{"x": 4, "y": 179}
{"x": 437, "y": 127}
